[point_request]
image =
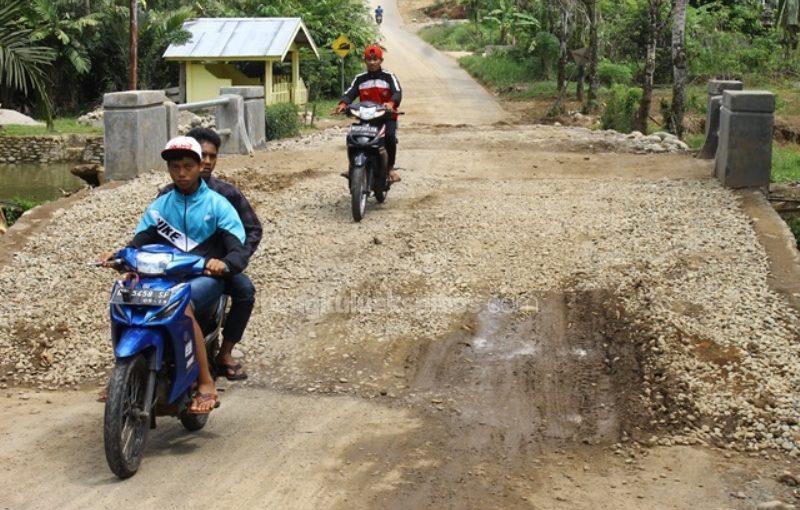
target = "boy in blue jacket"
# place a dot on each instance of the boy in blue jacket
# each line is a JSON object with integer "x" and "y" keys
{"x": 197, "y": 220}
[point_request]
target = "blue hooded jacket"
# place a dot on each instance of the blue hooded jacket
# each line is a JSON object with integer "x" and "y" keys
{"x": 203, "y": 223}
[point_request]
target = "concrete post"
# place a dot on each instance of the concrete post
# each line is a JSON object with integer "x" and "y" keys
{"x": 135, "y": 131}
{"x": 172, "y": 119}
{"x": 744, "y": 156}
{"x": 715, "y": 90}
{"x": 709, "y": 149}
{"x": 231, "y": 126}
{"x": 254, "y": 116}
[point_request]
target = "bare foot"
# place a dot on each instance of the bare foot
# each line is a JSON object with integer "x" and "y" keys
{"x": 394, "y": 176}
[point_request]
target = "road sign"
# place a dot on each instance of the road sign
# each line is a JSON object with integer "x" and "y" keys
{"x": 342, "y": 46}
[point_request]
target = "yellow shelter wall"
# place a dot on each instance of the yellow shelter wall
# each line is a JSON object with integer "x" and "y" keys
{"x": 201, "y": 84}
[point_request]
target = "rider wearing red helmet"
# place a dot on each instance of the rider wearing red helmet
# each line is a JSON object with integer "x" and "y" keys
{"x": 379, "y": 86}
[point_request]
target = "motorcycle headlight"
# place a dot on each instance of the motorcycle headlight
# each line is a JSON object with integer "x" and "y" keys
{"x": 152, "y": 263}
{"x": 362, "y": 139}
{"x": 368, "y": 113}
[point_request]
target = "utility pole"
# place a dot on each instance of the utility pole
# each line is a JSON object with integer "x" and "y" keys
{"x": 134, "y": 38}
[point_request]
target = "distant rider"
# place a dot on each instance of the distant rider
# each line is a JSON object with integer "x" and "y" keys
{"x": 379, "y": 15}
{"x": 379, "y": 86}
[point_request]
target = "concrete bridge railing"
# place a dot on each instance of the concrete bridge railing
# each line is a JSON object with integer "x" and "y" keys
{"x": 137, "y": 124}
{"x": 739, "y": 130}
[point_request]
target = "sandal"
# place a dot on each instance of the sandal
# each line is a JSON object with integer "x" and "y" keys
{"x": 202, "y": 398}
{"x": 102, "y": 396}
{"x": 225, "y": 369}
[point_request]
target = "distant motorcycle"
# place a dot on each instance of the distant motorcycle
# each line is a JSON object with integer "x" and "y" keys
{"x": 366, "y": 152}
{"x": 379, "y": 18}
{"x": 156, "y": 367}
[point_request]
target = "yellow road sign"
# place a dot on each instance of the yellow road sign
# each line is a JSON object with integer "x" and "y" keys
{"x": 342, "y": 46}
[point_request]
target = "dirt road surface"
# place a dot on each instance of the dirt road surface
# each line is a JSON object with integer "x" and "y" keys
{"x": 470, "y": 344}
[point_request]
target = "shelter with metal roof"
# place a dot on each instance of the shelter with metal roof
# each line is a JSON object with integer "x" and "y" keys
{"x": 224, "y": 52}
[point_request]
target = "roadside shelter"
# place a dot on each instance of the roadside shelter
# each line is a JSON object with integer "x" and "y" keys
{"x": 225, "y": 52}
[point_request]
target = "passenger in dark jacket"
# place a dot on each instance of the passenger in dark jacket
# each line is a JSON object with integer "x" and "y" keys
{"x": 238, "y": 286}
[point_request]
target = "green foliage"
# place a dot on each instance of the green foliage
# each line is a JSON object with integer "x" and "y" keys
{"x": 621, "y": 108}
{"x": 498, "y": 69}
{"x": 545, "y": 49}
{"x": 89, "y": 43}
{"x": 282, "y": 121}
{"x": 614, "y": 74}
{"x": 23, "y": 63}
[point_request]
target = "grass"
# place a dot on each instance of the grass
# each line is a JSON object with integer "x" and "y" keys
{"x": 62, "y": 126}
{"x": 786, "y": 163}
{"x": 498, "y": 70}
{"x": 324, "y": 107}
{"x": 454, "y": 37}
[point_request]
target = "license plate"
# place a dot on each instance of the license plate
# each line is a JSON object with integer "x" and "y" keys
{"x": 364, "y": 129}
{"x": 141, "y": 297}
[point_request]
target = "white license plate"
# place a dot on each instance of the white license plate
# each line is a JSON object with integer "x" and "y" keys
{"x": 364, "y": 130}
{"x": 141, "y": 297}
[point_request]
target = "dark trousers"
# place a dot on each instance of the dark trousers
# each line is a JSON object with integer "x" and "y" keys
{"x": 243, "y": 298}
{"x": 391, "y": 142}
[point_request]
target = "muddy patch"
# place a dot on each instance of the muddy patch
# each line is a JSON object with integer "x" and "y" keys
{"x": 510, "y": 387}
{"x": 559, "y": 371}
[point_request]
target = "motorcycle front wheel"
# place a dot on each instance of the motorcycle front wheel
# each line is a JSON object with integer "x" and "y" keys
{"x": 125, "y": 425}
{"x": 358, "y": 192}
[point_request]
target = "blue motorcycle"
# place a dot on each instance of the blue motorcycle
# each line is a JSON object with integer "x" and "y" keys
{"x": 156, "y": 365}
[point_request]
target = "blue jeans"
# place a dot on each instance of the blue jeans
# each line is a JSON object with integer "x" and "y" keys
{"x": 205, "y": 294}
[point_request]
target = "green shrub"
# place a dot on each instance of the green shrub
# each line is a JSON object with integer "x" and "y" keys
{"x": 13, "y": 209}
{"x": 545, "y": 51}
{"x": 794, "y": 226}
{"x": 621, "y": 109}
{"x": 610, "y": 73}
{"x": 282, "y": 121}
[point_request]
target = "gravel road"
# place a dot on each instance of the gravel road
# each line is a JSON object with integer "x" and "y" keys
{"x": 525, "y": 323}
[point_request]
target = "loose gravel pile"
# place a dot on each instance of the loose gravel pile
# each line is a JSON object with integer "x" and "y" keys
{"x": 341, "y": 304}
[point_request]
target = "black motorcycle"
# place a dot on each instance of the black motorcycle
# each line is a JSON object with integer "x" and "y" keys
{"x": 379, "y": 18}
{"x": 366, "y": 150}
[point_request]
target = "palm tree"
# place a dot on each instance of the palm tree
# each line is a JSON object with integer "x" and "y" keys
{"x": 22, "y": 63}
{"x": 59, "y": 26}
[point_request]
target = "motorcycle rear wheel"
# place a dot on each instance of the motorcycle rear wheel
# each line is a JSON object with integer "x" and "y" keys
{"x": 358, "y": 192}
{"x": 124, "y": 425}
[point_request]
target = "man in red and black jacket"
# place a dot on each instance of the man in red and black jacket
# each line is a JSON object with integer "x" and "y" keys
{"x": 379, "y": 86}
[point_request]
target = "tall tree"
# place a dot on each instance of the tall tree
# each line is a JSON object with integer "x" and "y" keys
{"x": 678, "y": 66}
{"x": 654, "y": 27}
{"x": 591, "y": 11}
